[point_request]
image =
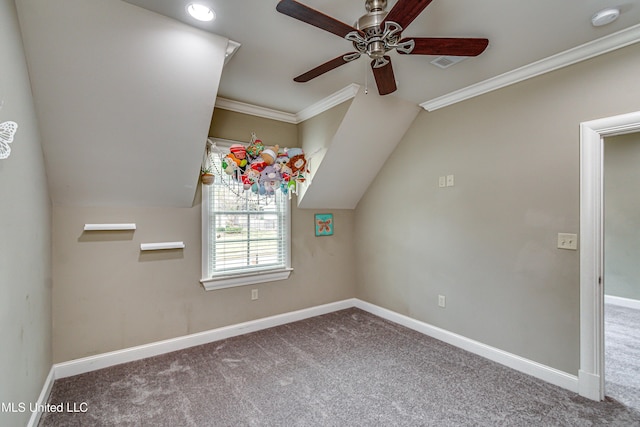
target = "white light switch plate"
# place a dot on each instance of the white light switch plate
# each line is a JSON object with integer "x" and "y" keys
{"x": 568, "y": 241}
{"x": 450, "y": 181}
{"x": 442, "y": 181}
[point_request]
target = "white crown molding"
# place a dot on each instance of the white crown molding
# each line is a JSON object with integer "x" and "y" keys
{"x": 309, "y": 112}
{"x": 254, "y": 110}
{"x": 589, "y": 50}
{"x": 329, "y": 102}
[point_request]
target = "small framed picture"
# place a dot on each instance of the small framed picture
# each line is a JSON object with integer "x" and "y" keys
{"x": 324, "y": 224}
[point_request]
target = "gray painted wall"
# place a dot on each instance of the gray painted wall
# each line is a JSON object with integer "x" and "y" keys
{"x": 622, "y": 215}
{"x": 109, "y": 296}
{"x": 25, "y": 242}
{"x": 488, "y": 244}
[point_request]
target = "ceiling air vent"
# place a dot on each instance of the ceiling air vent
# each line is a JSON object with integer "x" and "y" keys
{"x": 447, "y": 61}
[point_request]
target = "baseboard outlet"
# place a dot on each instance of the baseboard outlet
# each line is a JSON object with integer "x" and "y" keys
{"x": 623, "y": 302}
{"x": 105, "y": 360}
{"x": 529, "y": 367}
{"x": 92, "y": 363}
{"x": 34, "y": 420}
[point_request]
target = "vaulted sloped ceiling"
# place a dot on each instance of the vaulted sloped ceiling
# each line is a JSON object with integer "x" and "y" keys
{"x": 124, "y": 99}
{"x": 344, "y": 163}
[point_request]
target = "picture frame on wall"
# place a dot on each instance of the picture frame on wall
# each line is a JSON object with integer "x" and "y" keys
{"x": 324, "y": 224}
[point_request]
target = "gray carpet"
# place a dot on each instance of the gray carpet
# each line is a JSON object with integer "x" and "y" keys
{"x": 348, "y": 368}
{"x": 622, "y": 354}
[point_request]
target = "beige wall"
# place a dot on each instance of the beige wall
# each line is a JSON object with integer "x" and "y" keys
{"x": 488, "y": 244}
{"x": 25, "y": 236}
{"x": 622, "y": 216}
{"x": 108, "y": 295}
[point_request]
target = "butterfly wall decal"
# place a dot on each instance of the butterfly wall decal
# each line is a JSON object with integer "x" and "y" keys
{"x": 7, "y": 131}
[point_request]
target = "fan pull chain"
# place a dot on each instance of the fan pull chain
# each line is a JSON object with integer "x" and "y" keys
{"x": 366, "y": 78}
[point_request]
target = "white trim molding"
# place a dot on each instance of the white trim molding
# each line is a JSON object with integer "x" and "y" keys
{"x": 313, "y": 110}
{"x": 529, "y": 367}
{"x": 92, "y": 363}
{"x": 622, "y": 302}
{"x": 535, "y": 369}
{"x": 592, "y": 133}
{"x": 588, "y": 50}
{"x": 34, "y": 420}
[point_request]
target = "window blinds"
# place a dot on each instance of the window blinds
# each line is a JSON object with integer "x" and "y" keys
{"x": 247, "y": 234}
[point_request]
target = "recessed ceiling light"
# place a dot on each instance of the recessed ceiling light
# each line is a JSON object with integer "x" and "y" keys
{"x": 605, "y": 17}
{"x": 201, "y": 12}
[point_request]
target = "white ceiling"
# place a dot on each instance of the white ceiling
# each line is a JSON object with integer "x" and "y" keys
{"x": 275, "y": 48}
{"x": 124, "y": 94}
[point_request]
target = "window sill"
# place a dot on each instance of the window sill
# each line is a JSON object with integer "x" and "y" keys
{"x": 245, "y": 279}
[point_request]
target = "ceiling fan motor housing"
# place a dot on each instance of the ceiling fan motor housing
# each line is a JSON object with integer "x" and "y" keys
{"x": 370, "y": 25}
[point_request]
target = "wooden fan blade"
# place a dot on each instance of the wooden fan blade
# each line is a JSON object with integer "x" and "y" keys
{"x": 321, "y": 69}
{"x": 405, "y": 11}
{"x": 447, "y": 46}
{"x": 311, "y": 16}
{"x": 385, "y": 80}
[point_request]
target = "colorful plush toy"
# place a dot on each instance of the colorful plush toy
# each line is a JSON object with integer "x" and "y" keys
{"x": 239, "y": 151}
{"x": 297, "y": 163}
{"x": 255, "y": 148}
{"x": 249, "y": 178}
{"x": 270, "y": 178}
{"x": 241, "y": 163}
{"x": 270, "y": 154}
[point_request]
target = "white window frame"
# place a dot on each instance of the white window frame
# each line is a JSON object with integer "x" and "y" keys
{"x": 240, "y": 278}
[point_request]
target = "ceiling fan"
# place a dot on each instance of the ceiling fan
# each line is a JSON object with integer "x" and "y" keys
{"x": 378, "y": 32}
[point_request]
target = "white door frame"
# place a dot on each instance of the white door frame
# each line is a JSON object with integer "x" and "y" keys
{"x": 592, "y": 133}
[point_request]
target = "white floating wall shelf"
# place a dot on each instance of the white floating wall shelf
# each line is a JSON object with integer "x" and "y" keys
{"x": 109, "y": 227}
{"x": 161, "y": 246}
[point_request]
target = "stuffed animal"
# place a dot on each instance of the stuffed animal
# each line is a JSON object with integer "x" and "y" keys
{"x": 229, "y": 165}
{"x": 258, "y": 165}
{"x": 270, "y": 178}
{"x": 255, "y": 148}
{"x": 249, "y": 178}
{"x": 297, "y": 163}
{"x": 239, "y": 151}
{"x": 270, "y": 154}
{"x": 295, "y": 151}
{"x": 241, "y": 163}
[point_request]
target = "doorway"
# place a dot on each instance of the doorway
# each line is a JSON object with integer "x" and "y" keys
{"x": 592, "y": 134}
{"x": 621, "y": 180}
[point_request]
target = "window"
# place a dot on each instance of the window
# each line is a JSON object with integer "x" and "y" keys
{"x": 245, "y": 240}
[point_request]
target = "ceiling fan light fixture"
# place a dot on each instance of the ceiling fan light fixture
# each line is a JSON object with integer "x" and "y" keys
{"x": 201, "y": 12}
{"x": 605, "y": 16}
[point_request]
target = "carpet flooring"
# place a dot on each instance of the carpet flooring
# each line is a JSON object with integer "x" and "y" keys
{"x": 622, "y": 354}
{"x": 347, "y": 368}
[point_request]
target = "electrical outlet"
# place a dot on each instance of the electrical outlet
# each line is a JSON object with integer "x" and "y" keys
{"x": 254, "y": 294}
{"x": 568, "y": 241}
{"x": 441, "y": 301}
{"x": 450, "y": 181}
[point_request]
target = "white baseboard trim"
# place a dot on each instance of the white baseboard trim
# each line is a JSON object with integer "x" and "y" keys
{"x": 589, "y": 385}
{"x": 42, "y": 399}
{"x": 624, "y": 302}
{"x": 529, "y": 367}
{"x": 92, "y": 363}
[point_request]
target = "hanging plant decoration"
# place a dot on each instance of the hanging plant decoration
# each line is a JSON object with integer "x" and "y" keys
{"x": 206, "y": 169}
{"x": 7, "y": 131}
{"x": 263, "y": 170}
